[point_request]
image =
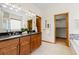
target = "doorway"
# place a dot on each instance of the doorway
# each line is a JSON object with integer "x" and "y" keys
{"x": 62, "y": 28}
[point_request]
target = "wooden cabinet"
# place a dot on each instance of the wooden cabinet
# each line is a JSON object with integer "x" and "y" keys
{"x": 20, "y": 46}
{"x": 35, "y": 41}
{"x": 38, "y": 23}
{"x": 9, "y": 47}
{"x": 24, "y": 45}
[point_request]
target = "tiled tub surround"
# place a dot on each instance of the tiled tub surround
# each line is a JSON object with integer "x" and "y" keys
{"x": 74, "y": 36}
{"x": 74, "y": 40}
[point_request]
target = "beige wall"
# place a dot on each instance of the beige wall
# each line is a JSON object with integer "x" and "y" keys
{"x": 73, "y": 11}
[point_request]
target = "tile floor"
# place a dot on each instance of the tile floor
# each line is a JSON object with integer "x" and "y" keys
{"x": 53, "y": 49}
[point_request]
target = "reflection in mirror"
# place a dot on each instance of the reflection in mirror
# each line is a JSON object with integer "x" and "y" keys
{"x": 29, "y": 25}
{"x": 15, "y": 25}
{"x": 4, "y": 17}
{"x": 9, "y": 23}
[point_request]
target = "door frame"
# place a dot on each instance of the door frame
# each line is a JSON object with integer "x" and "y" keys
{"x": 67, "y": 27}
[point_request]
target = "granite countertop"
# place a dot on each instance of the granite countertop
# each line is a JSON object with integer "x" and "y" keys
{"x": 14, "y": 36}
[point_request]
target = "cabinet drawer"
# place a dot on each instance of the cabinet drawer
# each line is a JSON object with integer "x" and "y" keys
{"x": 9, "y": 42}
{"x": 25, "y": 40}
{"x": 11, "y": 50}
{"x": 33, "y": 37}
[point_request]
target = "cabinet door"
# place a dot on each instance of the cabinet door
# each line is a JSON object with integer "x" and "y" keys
{"x": 38, "y": 40}
{"x": 9, "y": 47}
{"x": 35, "y": 41}
{"x": 25, "y": 45}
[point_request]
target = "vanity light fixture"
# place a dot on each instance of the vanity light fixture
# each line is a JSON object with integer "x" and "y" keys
{"x": 4, "y": 5}
{"x": 7, "y": 4}
{"x": 16, "y": 10}
{"x": 33, "y": 14}
{"x": 26, "y": 11}
{"x": 11, "y": 8}
{"x": 29, "y": 13}
{"x": 19, "y": 8}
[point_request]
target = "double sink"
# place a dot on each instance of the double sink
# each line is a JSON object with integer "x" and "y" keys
{"x": 5, "y": 37}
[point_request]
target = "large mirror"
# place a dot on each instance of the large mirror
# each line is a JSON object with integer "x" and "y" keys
{"x": 12, "y": 20}
{"x": 15, "y": 25}
{"x": 9, "y": 22}
{"x": 4, "y": 17}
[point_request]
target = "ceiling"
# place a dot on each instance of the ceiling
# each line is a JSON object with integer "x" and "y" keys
{"x": 37, "y": 8}
{"x": 44, "y": 6}
{"x": 41, "y": 6}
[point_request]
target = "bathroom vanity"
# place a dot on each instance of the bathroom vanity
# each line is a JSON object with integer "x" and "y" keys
{"x": 20, "y": 44}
